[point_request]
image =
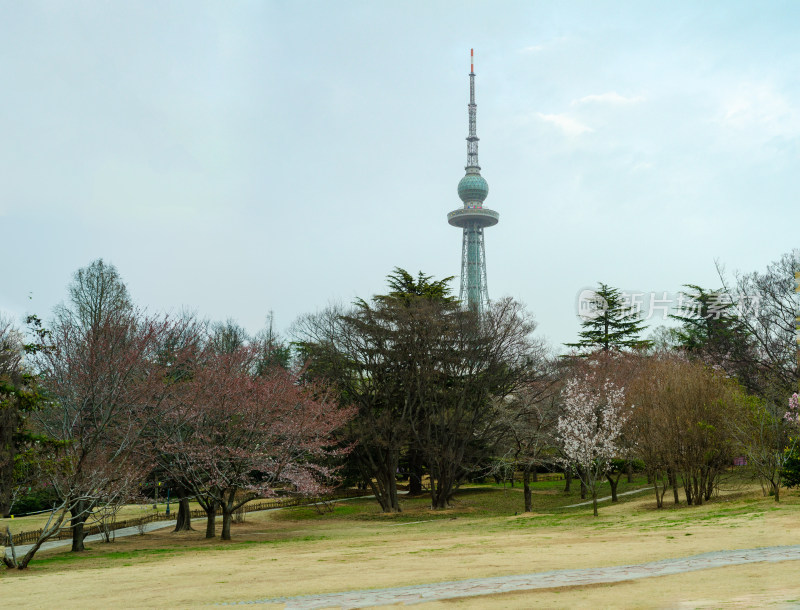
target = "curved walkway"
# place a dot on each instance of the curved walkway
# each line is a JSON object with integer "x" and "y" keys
{"x": 132, "y": 531}
{"x": 544, "y": 580}
{"x": 624, "y": 493}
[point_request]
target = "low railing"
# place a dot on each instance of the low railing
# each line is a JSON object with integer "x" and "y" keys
{"x": 65, "y": 533}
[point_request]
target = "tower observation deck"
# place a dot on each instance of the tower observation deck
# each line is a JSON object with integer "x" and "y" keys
{"x": 473, "y": 218}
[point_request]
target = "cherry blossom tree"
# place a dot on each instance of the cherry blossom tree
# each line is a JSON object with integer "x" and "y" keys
{"x": 231, "y": 436}
{"x": 590, "y": 426}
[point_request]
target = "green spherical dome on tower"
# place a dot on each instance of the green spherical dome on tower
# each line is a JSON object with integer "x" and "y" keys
{"x": 473, "y": 188}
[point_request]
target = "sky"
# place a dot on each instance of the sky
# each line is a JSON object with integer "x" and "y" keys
{"x": 239, "y": 158}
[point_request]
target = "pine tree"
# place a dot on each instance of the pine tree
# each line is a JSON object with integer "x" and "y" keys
{"x": 709, "y": 322}
{"x": 612, "y": 325}
{"x": 712, "y": 329}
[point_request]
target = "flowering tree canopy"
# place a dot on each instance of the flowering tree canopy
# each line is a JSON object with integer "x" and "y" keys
{"x": 231, "y": 436}
{"x": 590, "y": 426}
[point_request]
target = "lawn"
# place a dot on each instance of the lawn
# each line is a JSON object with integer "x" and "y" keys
{"x": 300, "y": 551}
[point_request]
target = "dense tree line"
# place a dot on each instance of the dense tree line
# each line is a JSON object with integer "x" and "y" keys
{"x": 121, "y": 394}
{"x": 408, "y": 384}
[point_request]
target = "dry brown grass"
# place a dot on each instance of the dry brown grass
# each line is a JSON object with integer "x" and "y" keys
{"x": 272, "y": 555}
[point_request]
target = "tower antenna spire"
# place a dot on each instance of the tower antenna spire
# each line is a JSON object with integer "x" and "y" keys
{"x": 472, "y": 139}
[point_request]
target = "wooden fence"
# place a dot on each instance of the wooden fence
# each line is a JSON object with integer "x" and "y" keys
{"x": 65, "y": 533}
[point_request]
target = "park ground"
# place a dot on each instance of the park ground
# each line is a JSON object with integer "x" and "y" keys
{"x": 299, "y": 551}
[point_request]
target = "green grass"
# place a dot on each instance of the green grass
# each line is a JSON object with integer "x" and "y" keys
{"x": 472, "y": 501}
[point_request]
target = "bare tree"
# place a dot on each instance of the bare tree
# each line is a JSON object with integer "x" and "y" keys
{"x": 529, "y": 418}
{"x": 686, "y": 411}
{"x": 101, "y": 381}
{"x": 767, "y": 308}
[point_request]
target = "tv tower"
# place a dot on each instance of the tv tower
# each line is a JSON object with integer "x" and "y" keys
{"x": 473, "y": 218}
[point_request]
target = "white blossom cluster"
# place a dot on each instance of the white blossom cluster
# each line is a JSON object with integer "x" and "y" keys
{"x": 793, "y": 414}
{"x": 591, "y": 422}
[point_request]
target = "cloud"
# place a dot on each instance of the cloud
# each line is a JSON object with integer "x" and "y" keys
{"x": 565, "y": 123}
{"x": 759, "y": 105}
{"x": 612, "y": 97}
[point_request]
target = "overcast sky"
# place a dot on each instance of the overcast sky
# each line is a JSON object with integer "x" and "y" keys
{"x": 241, "y": 157}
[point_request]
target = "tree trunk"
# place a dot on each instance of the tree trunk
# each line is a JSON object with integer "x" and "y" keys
{"x": 583, "y": 490}
{"x": 211, "y": 520}
{"x": 442, "y": 486}
{"x": 526, "y": 483}
{"x": 712, "y": 480}
{"x": 415, "y": 473}
{"x": 567, "y": 480}
{"x": 226, "y": 523}
{"x": 184, "y": 521}
{"x": 79, "y": 514}
{"x": 385, "y": 484}
{"x": 613, "y": 482}
{"x": 629, "y": 471}
{"x": 659, "y": 496}
{"x": 8, "y": 425}
{"x": 673, "y": 481}
{"x": 48, "y": 531}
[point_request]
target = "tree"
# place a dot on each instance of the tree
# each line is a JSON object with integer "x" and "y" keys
{"x": 684, "y": 418}
{"x": 790, "y": 465}
{"x": 529, "y": 418}
{"x": 228, "y": 336}
{"x": 425, "y": 376}
{"x": 764, "y": 433}
{"x": 610, "y": 323}
{"x": 97, "y": 294}
{"x": 590, "y": 426}
{"x": 100, "y": 383}
{"x": 355, "y": 352}
{"x": 463, "y": 365}
{"x": 712, "y": 330}
{"x": 19, "y": 395}
{"x": 367, "y": 353}
{"x": 96, "y": 370}
{"x": 765, "y": 302}
{"x": 272, "y": 350}
{"x": 231, "y": 436}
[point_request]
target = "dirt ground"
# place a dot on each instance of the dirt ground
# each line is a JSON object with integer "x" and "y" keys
{"x": 272, "y": 556}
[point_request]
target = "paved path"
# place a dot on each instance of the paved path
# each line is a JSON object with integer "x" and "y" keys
{"x": 125, "y": 531}
{"x": 131, "y": 531}
{"x": 625, "y": 493}
{"x": 558, "y": 578}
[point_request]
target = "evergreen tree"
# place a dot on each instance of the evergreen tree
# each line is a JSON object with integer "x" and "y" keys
{"x": 613, "y": 324}
{"x": 712, "y": 329}
{"x": 709, "y": 322}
